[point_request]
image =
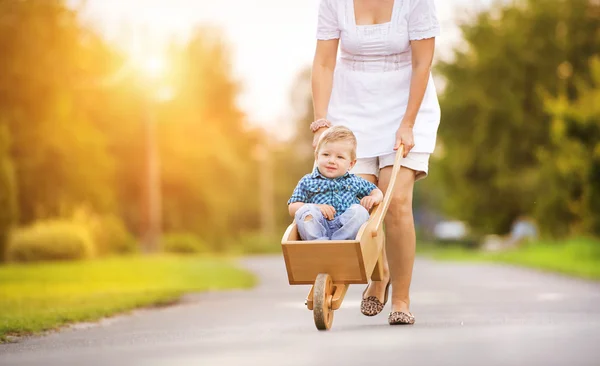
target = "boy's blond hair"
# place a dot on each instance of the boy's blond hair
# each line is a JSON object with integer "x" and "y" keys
{"x": 337, "y": 133}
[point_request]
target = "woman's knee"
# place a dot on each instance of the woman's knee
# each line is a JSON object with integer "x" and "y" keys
{"x": 400, "y": 205}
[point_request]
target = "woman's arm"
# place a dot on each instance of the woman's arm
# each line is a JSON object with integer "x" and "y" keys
{"x": 422, "y": 58}
{"x": 322, "y": 79}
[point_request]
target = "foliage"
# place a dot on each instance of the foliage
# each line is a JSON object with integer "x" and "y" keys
{"x": 294, "y": 158}
{"x": 8, "y": 194}
{"x": 207, "y": 152}
{"x": 109, "y": 234}
{"x": 570, "y": 165}
{"x": 45, "y": 296}
{"x": 60, "y": 155}
{"x": 497, "y": 136}
{"x": 50, "y": 240}
{"x": 183, "y": 243}
{"x": 78, "y": 115}
{"x": 258, "y": 243}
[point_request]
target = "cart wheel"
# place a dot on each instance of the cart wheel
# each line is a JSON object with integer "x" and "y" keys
{"x": 322, "y": 296}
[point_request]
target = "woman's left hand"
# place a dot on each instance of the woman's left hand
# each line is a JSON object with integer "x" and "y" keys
{"x": 404, "y": 136}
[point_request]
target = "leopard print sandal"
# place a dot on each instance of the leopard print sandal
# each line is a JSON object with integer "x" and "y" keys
{"x": 400, "y": 317}
{"x": 371, "y": 306}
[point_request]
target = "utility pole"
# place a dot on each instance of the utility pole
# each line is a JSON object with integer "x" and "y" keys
{"x": 153, "y": 197}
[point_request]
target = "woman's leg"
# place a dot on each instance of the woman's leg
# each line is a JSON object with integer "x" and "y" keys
{"x": 400, "y": 235}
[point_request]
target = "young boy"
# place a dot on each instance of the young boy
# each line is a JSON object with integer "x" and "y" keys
{"x": 331, "y": 203}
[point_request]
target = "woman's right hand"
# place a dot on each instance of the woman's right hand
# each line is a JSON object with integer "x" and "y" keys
{"x": 317, "y": 135}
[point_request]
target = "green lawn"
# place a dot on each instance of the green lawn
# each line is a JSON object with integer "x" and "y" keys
{"x": 576, "y": 257}
{"x": 38, "y": 297}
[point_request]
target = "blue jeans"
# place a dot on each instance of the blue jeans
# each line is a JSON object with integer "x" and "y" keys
{"x": 342, "y": 227}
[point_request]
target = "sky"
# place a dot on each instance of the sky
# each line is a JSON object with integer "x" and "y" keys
{"x": 270, "y": 41}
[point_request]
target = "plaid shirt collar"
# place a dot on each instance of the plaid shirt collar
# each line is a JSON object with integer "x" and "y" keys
{"x": 317, "y": 174}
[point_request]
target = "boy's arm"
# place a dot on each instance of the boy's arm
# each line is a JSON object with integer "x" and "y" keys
{"x": 293, "y": 207}
{"x": 367, "y": 188}
{"x": 297, "y": 199}
{"x": 377, "y": 195}
{"x": 369, "y": 194}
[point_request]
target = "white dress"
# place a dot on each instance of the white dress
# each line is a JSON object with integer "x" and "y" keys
{"x": 373, "y": 73}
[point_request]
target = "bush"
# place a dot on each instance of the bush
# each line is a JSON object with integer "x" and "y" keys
{"x": 256, "y": 243}
{"x": 183, "y": 243}
{"x": 50, "y": 240}
{"x": 112, "y": 237}
{"x": 109, "y": 234}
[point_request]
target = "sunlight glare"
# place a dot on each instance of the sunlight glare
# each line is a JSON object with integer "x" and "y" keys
{"x": 154, "y": 68}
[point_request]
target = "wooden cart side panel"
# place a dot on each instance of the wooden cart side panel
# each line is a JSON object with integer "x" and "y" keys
{"x": 341, "y": 260}
{"x": 371, "y": 245}
{"x": 361, "y": 263}
{"x": 372, "y": 250}
{"x": 290, "y": 232}
{"x": 286, "y": 259}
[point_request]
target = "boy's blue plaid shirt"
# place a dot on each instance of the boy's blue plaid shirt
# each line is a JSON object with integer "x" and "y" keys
{"x": 341, "y": 192}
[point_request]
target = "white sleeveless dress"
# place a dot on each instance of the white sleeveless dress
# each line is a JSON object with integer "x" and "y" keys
{"x": 373, "y": 73}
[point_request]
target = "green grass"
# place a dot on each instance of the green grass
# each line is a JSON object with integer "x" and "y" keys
{"x": 575, "y": 257}
{"x": 39, "y": 297}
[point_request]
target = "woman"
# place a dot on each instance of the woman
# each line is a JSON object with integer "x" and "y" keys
{"x": 381, "y": 88}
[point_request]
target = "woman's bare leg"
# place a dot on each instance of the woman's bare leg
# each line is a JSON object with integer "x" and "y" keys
{"x": 400, "y": 239}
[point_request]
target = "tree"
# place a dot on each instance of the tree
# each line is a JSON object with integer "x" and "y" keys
{"x": 570, "y": 165}
{"x": 494, "y": 121}
{"x": 209, "y": 174}
{"x": 8, "y": 194}
{"x": 77, "y": 127}
{"x": 59, "y": 155}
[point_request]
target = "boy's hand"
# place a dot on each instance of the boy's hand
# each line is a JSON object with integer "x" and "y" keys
{"x": 369, "y": 201}
{"x": 373, "y": 199}
{"x": 327, "y": 211}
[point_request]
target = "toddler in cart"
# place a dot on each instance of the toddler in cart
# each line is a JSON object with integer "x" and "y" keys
{"x": 331, "y": 203}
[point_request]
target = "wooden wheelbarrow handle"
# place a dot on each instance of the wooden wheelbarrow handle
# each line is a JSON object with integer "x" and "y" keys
{"x": 381, "y": 210}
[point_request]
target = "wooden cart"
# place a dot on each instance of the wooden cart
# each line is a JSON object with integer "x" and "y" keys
{"x": 331, "y": 266}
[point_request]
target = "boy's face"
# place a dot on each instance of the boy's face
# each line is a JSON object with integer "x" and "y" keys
{"x": 334, "y": 158}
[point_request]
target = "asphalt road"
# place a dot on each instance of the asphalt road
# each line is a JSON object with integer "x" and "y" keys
{"x": 466, "y": 314}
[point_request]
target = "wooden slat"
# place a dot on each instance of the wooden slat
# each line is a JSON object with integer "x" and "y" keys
{"x": 337, "y": 298}
{"x": 377, "y": 274}
{"x": 309, "y": 298}
{"x": 338, "y": 295}
{"x": 381, "y": 210}
{"x": 371, "y": 246}
{"x": 291, "y": 233}
{"x": 341, "y": 260}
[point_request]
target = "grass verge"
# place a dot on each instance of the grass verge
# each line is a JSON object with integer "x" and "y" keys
{"x": 39, "y": 297}
{"x": 576, "y": 257}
